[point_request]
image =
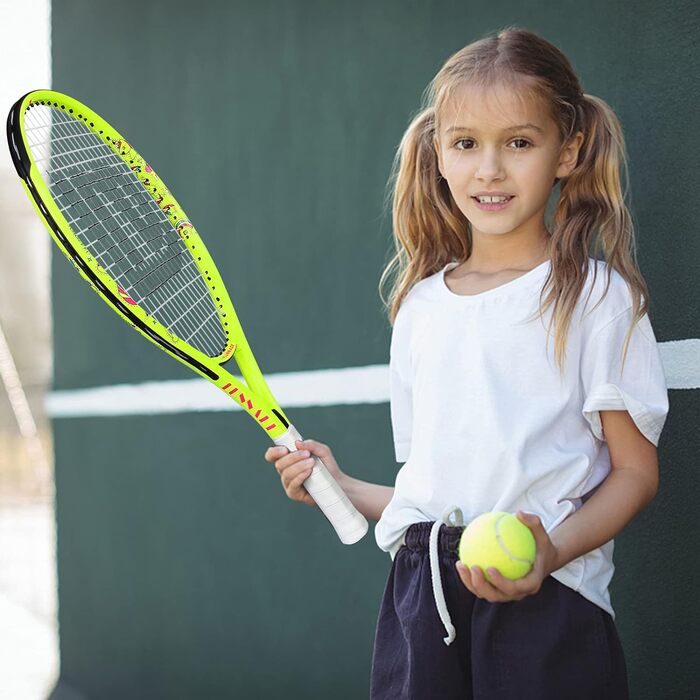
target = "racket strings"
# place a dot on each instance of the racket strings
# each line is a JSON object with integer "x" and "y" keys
{"x": 121, "y": 225}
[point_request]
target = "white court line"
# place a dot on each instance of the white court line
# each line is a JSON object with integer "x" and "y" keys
{"x": 326, "y": 387}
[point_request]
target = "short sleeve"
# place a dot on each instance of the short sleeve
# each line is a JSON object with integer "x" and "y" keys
{"x": 400, "y": 393}
{"x": 639, "y": 387}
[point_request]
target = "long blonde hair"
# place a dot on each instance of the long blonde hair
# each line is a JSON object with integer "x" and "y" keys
{"x": 590, "y": 218}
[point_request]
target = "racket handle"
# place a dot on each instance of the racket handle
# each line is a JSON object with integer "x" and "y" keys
{"x": 348, "y": 522}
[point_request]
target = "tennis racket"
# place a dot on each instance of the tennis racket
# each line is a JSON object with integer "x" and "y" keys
{"x": 125, "y": 233}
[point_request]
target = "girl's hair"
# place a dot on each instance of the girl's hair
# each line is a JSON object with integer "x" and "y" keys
{"x": 590, "y": 216}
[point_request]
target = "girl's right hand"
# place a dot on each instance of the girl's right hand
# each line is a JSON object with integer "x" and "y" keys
{"x": 295, "y": 467}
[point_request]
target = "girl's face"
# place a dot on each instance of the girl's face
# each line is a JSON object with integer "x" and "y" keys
{"x": 480, "y": 149}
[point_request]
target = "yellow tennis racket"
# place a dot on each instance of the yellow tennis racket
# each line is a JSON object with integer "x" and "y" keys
{"x": 113, "y": 217}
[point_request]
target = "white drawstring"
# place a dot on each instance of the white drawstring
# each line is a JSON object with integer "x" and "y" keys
{"x": 435, "y": 568}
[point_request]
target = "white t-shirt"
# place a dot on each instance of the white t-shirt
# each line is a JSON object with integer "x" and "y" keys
{"x": 482, "y": 420}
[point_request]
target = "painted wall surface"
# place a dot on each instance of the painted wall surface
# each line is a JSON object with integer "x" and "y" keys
{"x": 184, "y": 571}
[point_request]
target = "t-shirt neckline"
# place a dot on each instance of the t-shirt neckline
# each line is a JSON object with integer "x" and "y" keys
{"x": 519, "y": 281}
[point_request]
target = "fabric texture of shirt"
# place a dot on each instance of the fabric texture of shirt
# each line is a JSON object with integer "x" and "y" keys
{"x": 483, "y": 420}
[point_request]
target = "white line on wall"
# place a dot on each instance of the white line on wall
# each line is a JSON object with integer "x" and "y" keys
{"x": 325, "y": 387}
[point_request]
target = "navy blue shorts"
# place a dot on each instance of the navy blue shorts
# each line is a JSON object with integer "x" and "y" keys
{"x": 552, "y": 645}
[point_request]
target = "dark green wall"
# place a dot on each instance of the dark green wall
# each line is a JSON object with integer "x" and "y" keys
{"x": 184, "y": 572}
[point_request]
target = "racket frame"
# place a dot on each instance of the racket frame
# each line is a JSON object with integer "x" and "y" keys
{"x": 252, "y": 393}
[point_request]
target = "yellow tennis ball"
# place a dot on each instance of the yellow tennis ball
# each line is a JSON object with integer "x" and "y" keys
{"x": 499, "y": 540}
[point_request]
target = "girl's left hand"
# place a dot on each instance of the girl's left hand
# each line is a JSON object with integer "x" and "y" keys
{"x": 503, "y": 590}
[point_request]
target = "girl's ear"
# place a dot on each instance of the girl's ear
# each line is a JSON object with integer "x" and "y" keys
{"x": 569, "y": 155}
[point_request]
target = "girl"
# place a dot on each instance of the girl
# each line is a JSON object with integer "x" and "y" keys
{"x": 483, "y": 415}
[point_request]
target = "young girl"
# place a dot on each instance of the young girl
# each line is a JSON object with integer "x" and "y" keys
{"x": 484, "y": 416}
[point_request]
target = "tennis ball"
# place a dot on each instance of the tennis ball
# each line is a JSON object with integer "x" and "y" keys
{"x": 499, "y": 540}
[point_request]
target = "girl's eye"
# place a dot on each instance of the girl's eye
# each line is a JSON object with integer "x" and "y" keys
{"x": 524, "y": 141}
{"x": 521, "y": 148}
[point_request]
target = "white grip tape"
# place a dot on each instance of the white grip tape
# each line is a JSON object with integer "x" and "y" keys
{"x": 348, "y": 522}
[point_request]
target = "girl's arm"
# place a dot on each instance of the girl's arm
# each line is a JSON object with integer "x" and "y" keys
{"x": 295, "y": 467}
{"x": 370, "y": 499}
{"x": 628, "y": 489}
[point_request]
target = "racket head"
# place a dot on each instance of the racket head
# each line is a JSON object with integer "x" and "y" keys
{"x": 64, "y": 152}
{"x": 70, "y": 159}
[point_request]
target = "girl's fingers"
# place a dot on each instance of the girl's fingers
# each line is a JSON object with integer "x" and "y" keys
{"x": 476, "y": 582}
{"x": 294, "y": 469}
{"x": 279, "y": 453}
{"x": 301, "y": 477}
{"x": 274, "y": 453}
{"x": 297, "y": 473}
{"x": 465, "y": 574}
{"x": 500, "y": 582}
{"x": 315, "y": 447}
{"x": 296, "y": 486}
{"x": 282, "y": 458}
{"x": 291, "y": 459}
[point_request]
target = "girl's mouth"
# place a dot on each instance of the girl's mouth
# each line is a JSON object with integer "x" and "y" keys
{"x": 492, "y": 206}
